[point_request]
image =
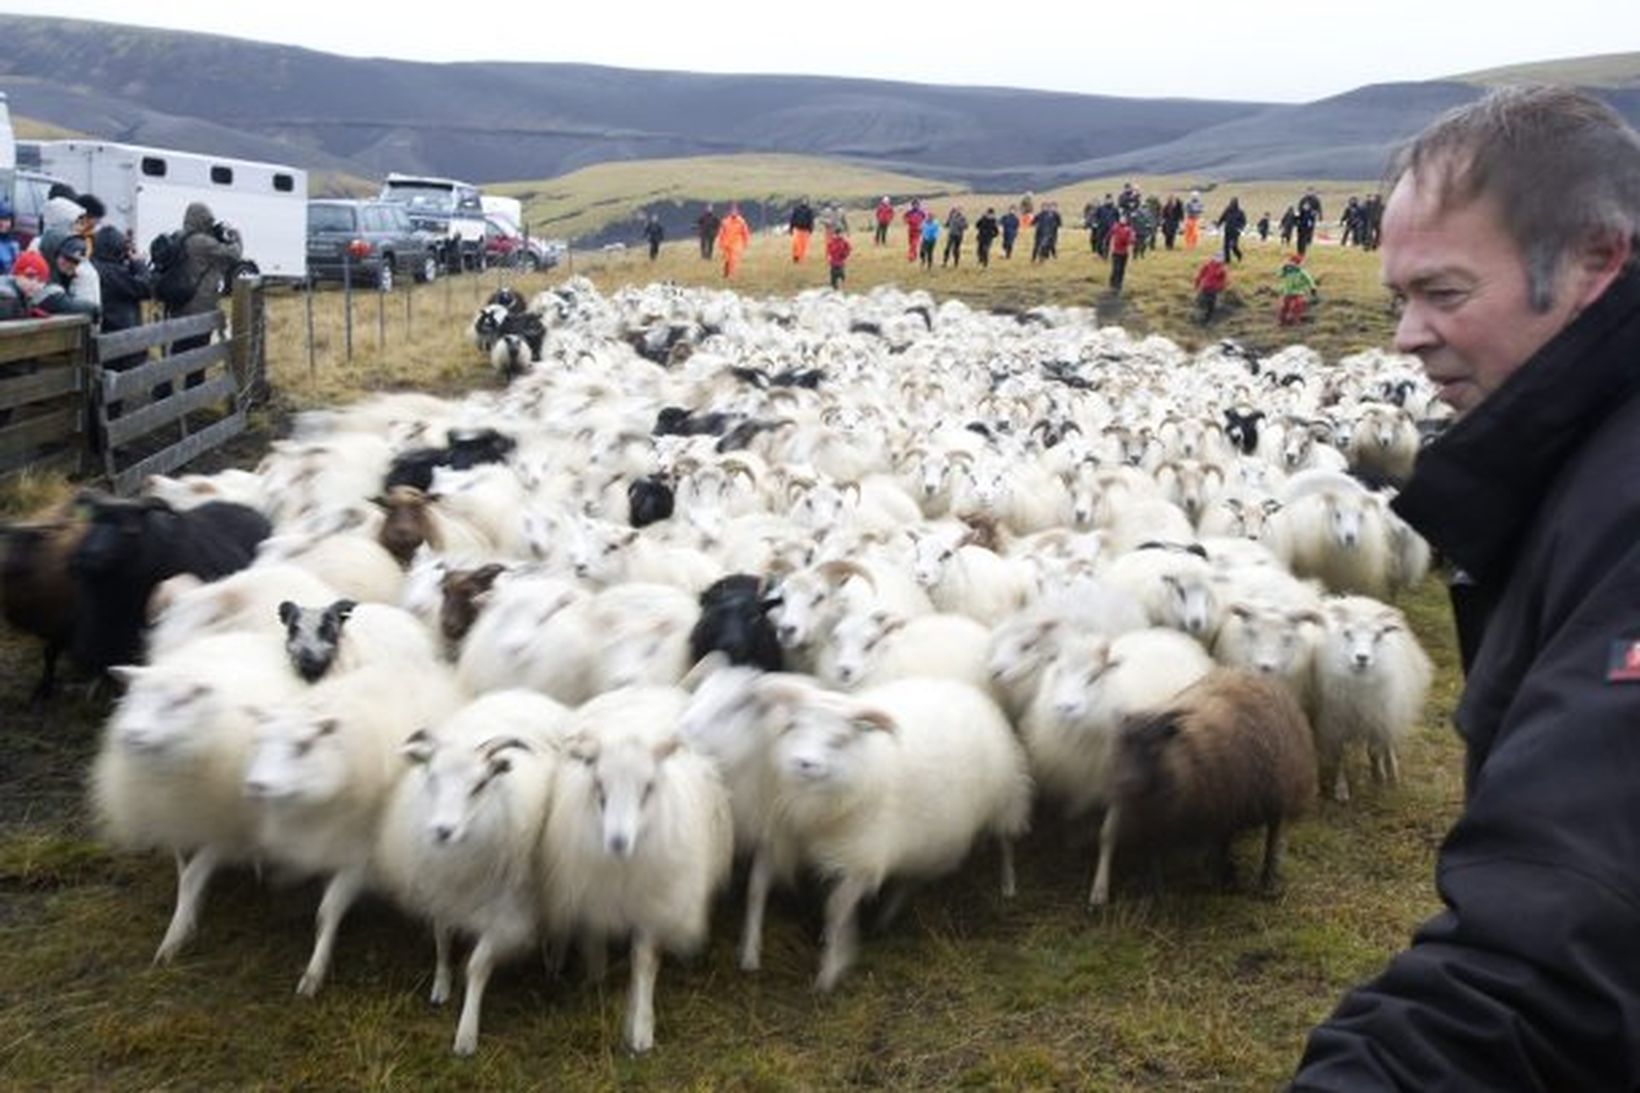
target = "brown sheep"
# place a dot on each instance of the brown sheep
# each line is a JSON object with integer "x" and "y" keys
{"x": 463, "y": 589}
{"x": 412, "y": 519}
{"x": 1231, "y": 752}
{"x": 37, "y": 592}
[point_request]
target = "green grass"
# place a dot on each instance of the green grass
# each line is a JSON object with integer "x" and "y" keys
{"x": 1599, "y": 70}
{"x": 1186, "y": 988}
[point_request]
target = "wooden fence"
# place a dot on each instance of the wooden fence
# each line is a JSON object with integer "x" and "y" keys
{"x": 60, "y": 397}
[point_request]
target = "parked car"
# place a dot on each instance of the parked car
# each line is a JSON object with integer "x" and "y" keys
{"x": 375, "y": 236}
{"x": 29, "y": 204}
{"x": 505, "y": 245}
{"x": 447, "y": 208}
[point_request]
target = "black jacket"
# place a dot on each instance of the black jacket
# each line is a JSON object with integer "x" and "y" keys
{"x": 1531, "y": 977}
{"x": 126, "y": 282}
{"x": 802, "y": 218}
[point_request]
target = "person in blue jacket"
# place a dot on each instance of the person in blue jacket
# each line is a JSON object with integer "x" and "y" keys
{"x": 8, "y": 239}
{"x": 1512, "y": 241}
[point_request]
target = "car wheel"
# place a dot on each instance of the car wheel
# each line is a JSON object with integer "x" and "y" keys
{"x": 429, "y": 269}
{"x": 530, "y": 263}
{"x": 384, "y": 276}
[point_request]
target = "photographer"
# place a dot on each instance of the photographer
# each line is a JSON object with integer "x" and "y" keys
{"x": 210, "y": 251}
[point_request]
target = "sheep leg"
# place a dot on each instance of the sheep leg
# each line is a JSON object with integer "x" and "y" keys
{"x": 893, "y": 904}
{"x": 47, "y": 685}
{"x": 1341, "y": 785}
{"x": 1100, "y": 895}
{"x": 479, "y": 965}
{"x": 640, "y": 1005}
{"x": 339, "y": 895}
{"x": 1275, "y": 844}
{"x": 193, "y": 874}
{"x": 1009, "y": 888}
{"x": 595, "y": 955}
{"x": 441, "y": 966}
{"x": 1224, "y": 865}
{"x": 842, "y": 931}
{"x": 1392, "y": 765}
{"x": 757, "y": 899}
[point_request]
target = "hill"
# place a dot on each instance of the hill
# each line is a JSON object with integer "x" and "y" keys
{"x": 491, "y": 122}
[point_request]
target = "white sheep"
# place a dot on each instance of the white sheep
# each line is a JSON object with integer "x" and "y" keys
{"x": 965, "y": 578}
{"x": 322, "y": 768}
{"x": 641, "y": 633}
{"x": 169, "y": 771}
{"x": 1173, "y": 584}
{"x": 1339, "y": 536}
{"x": 1272, "y": 640}
{"x": 1371, "y": 680}
{"x": 896, "y": 781}
{"x": 638, "y": 839}
{"x": 869, "y": 648}
{"x": 356, "y": 566}
{"x": 534, "y": 632}
{"x": 246, "y": 600}
{"x": 1086, "y": 691}
{"x": 460, "y": 835}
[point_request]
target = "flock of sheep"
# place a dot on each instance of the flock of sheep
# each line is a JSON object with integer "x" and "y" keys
{"x": 833, "y": 584}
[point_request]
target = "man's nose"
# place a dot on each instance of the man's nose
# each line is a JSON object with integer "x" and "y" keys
{"x": 1412, "y": 330}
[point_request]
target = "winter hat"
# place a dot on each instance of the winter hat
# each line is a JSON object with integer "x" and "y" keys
{"x": 30, "y": 264}
{"x": 5, "y": 209}
{"x": 93, "y": 206}
{"x": 72, "y": 248}
{"x": 61, "y": 212}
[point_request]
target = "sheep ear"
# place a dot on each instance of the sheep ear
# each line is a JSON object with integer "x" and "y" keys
{"x": 417, "y": 747}
{"x": 328, "y": 726}
{"x": 382, "y": 503}
{"x": 340, "y": 610}
{"x": 1313, "y": 617}
{"x": 869, "y": 720}
{"x": 288, "y": 612}
{"x": 582, "y": 748}
{"x": 127, "y": 673}
{"x": 1241, "y": 611}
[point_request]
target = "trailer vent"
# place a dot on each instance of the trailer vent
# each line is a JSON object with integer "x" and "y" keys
{"x": 153, "y": 166}
{"x": 284, "y": 184}
{"x": 222, "y": 176}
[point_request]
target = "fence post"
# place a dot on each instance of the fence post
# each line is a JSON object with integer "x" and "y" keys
{"x": 347, "y": 304}
{"x": 381, "y": 320}
{"x": 409, "y": 295}
{"x": 307, "y": 294}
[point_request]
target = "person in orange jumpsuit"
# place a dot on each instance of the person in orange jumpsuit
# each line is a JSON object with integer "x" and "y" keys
{"x": 914, "y": 218}
{"x": 732, "y": 239}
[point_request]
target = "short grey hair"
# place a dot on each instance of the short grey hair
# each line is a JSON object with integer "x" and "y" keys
{"x": 1563, "y": 166}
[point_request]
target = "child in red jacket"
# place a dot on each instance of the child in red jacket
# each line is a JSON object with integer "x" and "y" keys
{"x": 1212, "y": 279}
{"x": 837, "y": 252}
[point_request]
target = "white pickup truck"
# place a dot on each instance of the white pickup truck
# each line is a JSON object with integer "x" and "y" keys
{"x": 451, "y": 210}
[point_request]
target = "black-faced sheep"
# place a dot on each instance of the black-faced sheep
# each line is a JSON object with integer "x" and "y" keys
{"x": 734, "y": 618}
{"x": 463, "y": 449}
{"x": 1231, "y": 752}
{"x": 649, "y": 500}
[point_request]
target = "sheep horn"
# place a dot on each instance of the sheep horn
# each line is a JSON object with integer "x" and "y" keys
{"x": 838, "y": 570}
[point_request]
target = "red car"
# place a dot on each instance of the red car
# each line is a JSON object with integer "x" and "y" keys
{"x": 505, "y": 245}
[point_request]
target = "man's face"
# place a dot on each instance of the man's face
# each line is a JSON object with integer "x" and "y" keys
{"x": 28, "y": 283}
{"x": 1462, "y": 282}
{"x": 67, "y": 266}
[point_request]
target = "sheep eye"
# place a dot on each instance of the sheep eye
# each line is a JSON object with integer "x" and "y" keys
{"x": 648, "y": 792}
{"x": 946, "y": 556}
{"x": 303, "y": 747}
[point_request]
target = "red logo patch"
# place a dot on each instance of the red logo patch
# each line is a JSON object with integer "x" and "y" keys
{"x": 1623, "y": 662}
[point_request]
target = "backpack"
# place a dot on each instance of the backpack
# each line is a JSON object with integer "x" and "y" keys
{"x": 172, "y": 286}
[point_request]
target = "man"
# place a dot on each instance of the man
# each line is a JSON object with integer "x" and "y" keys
{"x": 1309, "y": 215}
{"x": 801, "y": 225}
{"x": 1121, "y": 245}
{"x": 986, "y": 230}
{"x": 29, "y": 292}
{"x": 885, "y": 217}
{"x": 733, "y": 237}
{"x": 210, "y": 250}
{"x": 653, "y": 233}
{"x": 707, "y": 225}
{"x": 1511, "y": 238}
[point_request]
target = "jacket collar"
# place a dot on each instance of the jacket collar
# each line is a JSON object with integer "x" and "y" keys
{"x": 1474, "y": 490}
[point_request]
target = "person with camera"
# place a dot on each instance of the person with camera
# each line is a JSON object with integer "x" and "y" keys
{"x": 210, "y": 251}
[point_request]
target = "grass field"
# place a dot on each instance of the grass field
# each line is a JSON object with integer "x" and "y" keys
{"x": 1183, "y": 989}
{"x": 585, "y": 201}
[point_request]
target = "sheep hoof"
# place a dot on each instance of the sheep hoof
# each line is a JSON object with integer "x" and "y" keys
{"x": 466, "y": 1044}
{"x": 309, "y": 985}
{"x": 439, "y": 996}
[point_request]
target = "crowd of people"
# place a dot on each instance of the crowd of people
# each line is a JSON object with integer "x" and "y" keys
{"x": 1122, "y": 227}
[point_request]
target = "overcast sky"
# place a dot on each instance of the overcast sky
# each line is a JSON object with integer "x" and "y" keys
{"x": 1272, "y": 50}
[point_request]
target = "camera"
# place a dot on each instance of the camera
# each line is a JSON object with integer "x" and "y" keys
{"x": 224, "y": 232}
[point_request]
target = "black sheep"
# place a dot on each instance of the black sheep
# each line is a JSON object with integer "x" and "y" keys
{"x": 464, "y": 448}
{"x": 527, "y": 325}
{"x": 130, "y": 547}
{"x": 734, "y": 620}
{"x": 648, "y": 501}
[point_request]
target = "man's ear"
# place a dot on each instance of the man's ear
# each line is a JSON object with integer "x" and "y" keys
{"x": 1598, "y": 263}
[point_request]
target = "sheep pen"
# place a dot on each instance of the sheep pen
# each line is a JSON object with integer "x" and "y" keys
{"x": 1188, "y": 988}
